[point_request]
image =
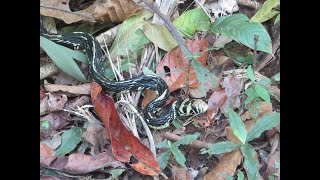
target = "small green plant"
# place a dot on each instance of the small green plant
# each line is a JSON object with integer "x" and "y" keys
{"x": 256, "y": 93}
{"x": 173, "y": 148}
{"x": 267, "y": 122}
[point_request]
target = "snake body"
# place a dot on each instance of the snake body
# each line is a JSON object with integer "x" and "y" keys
{"x": 89, "y": 45}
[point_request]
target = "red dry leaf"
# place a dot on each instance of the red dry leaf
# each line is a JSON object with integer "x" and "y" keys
{"x": 175, "y": 63}
{"x": 216, "y": 100}
{"x": 125, "y": 146}
{"x": 46, "y": 155}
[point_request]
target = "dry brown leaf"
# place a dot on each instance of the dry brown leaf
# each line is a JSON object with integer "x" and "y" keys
{"x": 60, "y": 9}
{"x": 95, "y": 135}
{"x": 54, "y": 141}
{"x": 46, "y": 155}
{"x": 115, "y": 10}
{"x": 233, "y": 88}
{"x": 52, "y": 102}
{"x": 65, "y": 79}
{"x": 102, "y": 11}
{"x": 273, "y": 158}
{"x": 77, "y": 89}
{"x": 264, "y": 109}
{"x": 179, "y": 172}
{"x": 227, "y": 165}
{"x": 57, "y": 119}
{"x": 79, "y": 101}
{"x": 81, "y": 164}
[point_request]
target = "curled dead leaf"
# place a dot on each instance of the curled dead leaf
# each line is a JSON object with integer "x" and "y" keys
{"x": 125, "y": 146}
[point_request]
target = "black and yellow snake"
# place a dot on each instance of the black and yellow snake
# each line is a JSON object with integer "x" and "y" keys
{"x": 89, "y": 45}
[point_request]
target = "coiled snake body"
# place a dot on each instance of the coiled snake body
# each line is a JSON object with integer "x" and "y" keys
{"x": 89, "y": 45}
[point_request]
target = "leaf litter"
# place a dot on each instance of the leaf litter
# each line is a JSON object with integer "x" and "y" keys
{"x": 81, "y": 133}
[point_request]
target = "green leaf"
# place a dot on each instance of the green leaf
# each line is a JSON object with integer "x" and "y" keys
{"x": 276, "y": 77}
{"x": 130, "y": 36}
{"x": 178, "y": 155}
{"x": 264, "y": 81}
{"x": 146, "y": 70}
{"x": 160, "y": 36}
{"x": 254, "y": 108}
{"x": 221, "y": 147}
{"x": 187, "y": 139}
{"x": 277, "y": 19}
{"x": 227, "y": 176}
{"x": 116, "y": 172}
{"x": 240, "y": 175}
{"x": 163, "y": 144}
{"x": 69, "y": 140}
{"x": 250, "y": 73}
{"x": 201, "y": 73}
{"x": 239, "y": 28}
{"x": 251, "y": 95}
{"x": 237, "y": 126}
{"x": 262, "y": 92}
{"x": 266, "y": 12}
{"x": 267, "y": 122}
{"x": 45, "y": 124}
{"x": 192, "y": 20}
{"x": 64, "y": 57}
{"x": 250, "y": 164}
{"x": 163, "y": 159}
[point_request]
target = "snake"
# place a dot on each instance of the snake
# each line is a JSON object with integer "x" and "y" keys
{"x": 153, "y": 114}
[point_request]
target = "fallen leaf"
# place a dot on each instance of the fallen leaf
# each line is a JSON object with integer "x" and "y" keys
{"x": 233, "y": 88}
{"x": 265, "y": 107}
{"x": 179, "y": 172}
{"x": 46, "y": 155}
{"x": 75, "y": 89}
{"x": 58, "y": 120}
{"x": 215, "y": 101}
{"x": 42, "y": 93}
{"x": 65, "y": 79}
{"x": 271, "y": 168}
{"x": 227, "y": 165}
{"x": 52, "y": 102}
{"x": 49, "y": 178}
{"x": 60, "y": 9}
{"x": 95, "y": 135}
{"x": 125, "y": 146}
{"x": 102, "y": 11}
{"x": 174, "y": 67}
{"x": 79, "y": 101}
{"x": 81, "y": 163}
{"x": 53, "y": 142}
{"x": 228, "y": 162}
{"x": 115, "y": 10}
